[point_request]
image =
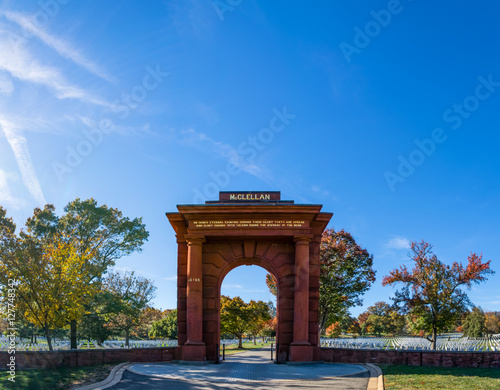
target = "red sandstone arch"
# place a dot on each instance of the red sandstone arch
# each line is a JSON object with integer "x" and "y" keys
{"x": 217, "y": 237}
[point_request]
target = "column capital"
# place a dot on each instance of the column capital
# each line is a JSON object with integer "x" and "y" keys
{"x": 194, "y": 239}
{"x": 302, "y": 239}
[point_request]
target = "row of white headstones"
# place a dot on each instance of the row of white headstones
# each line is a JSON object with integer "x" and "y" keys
{"x": 42, "y": 345}
{"x": 443, "y": 343}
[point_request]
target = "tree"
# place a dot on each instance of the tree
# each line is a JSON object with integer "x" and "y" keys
{"x": 130, "y": 294}
{"x": 147, "y": 317}
{"x": 272, "y": 284}
{"x": 166, "y": 328}
{"x": 238, "y": 317}
{"x": 53, "y": 281}
{"x": 333, "y": 330}
{"x": 99, "y": 229}
{"x": 346, "y": 273}
{"x": 431, "y": 293}
{"x": 362, "y": 318}
{"x": 381, "y": 318}
{"x": 346, "y": 322}
{"x": 93, "y": 327}
{"x": 474, "y": 324}
{"x": 260, "y": 313}
{"x": 234, "y": 317}
{"x": 270, "y": 327}
{"x": 492, "y": 322}
{"x": 354, "y": 328}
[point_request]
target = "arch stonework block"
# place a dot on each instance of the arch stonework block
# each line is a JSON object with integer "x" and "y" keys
{"x": 216, "y": 237}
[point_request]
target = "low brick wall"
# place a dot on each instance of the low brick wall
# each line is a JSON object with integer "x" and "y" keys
{"x": 86, "y": 357}
{"x": 412, "y": 358}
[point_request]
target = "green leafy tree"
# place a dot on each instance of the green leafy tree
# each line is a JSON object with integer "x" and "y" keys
{"x": 375, "y": 324}
{"x": 362, "y": 318}
{"x": 238, "y": 318}
{"x": 354, "y": 328}
{"x": 93, "y": 327}
{"x": 147, "y": 317}
{"x": 382, "y": 318}
{"x": 261, "y": 314}
{"x": 53, "y": 281}
{"x": 130, "y": 294}
{"x": 105, "y": 231}
{"x": 346, "y": 322}
{"x": 90, "y": 228}
{"x": 431, "y": 294}
{"x": 234, "y": 317}
{"x": 475, "y": 323}
{"x": 492, "y": 322}
{"x": 166, "y": 328}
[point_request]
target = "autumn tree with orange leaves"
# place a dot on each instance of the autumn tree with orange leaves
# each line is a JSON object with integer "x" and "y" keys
{"x": 431, "y": 293}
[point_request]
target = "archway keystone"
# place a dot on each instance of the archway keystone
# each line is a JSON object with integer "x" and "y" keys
{"x": 248, "y": 228}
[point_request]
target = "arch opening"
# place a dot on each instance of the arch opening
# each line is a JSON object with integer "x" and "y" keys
{"x": 247, "y": 308}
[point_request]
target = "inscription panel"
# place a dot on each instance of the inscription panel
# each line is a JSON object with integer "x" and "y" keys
{"x": 249, "y": 224}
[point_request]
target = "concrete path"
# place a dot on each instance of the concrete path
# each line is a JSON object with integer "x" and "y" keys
{"x": 242, "y": 371}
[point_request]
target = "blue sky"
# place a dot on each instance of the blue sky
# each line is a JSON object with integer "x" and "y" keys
{"x": 388, "y": 114}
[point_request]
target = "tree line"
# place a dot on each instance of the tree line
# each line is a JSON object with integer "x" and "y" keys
{"x": 61, "y": 267}
{"x": 430, "y": 301}
{"x": 383, "y": 319}
{"x": 61, "y": 270}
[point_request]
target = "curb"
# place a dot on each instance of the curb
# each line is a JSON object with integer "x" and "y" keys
{"x": 114, "y": 377}
{"x": 376, "y": 381}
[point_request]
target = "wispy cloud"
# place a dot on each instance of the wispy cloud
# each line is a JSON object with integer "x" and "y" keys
{"x": 398, "y": 243}
{"x": 19, "y": 147}
{"x": 223, "y": 150}
{"x": 5, "y": 193}
{"x": 325, "y": 193}
{"x": 63, "y": 48}
{"x": 6, "y": 86}
{"x": 232, "y": 286}
{"x": 19, "y": 63}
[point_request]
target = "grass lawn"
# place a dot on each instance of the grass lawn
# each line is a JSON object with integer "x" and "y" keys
{"x": 247, "y": 346}
{"x": 411, "y": 377}
{"x": 56, "y": 378}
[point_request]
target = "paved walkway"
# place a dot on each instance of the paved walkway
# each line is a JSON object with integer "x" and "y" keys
{"x": 242, "y": 371}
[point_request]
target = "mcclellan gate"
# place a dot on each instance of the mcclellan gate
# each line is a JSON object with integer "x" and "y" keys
{"x": 248, "y": 228}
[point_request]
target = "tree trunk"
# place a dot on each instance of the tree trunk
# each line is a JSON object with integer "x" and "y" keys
{"x": 47, "y": 335}
{"x": 322, "y": 322}
{"x": 73, "y": 334}
{"x": 433, "y": 339}
{"x": 254, "y": 340}
{"x": 127, "y": 336}
{"x": 240, "y": 342}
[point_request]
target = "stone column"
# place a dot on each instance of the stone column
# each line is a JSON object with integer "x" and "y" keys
{"x": 194, "y": 349}
{"x": 300, "y": 349}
